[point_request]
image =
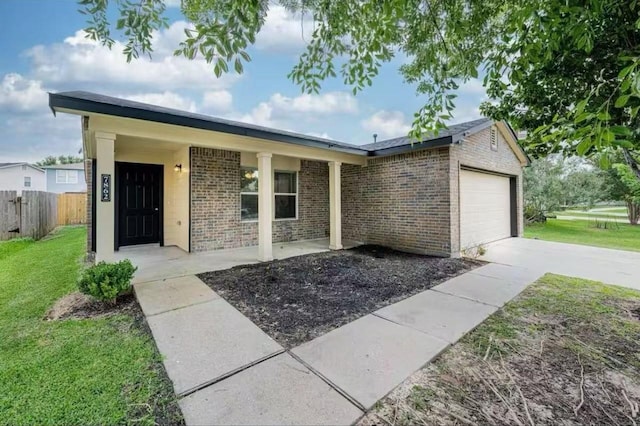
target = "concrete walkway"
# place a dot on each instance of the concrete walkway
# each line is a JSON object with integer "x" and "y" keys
{"x": 228, "y": 371}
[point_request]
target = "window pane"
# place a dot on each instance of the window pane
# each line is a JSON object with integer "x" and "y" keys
{"x": 61, "y": 176}
{"x": 27, "y": 182}
{"x": 285, "y": 182}
{"x": 285, "y": 206}
{"x": 248, "y": 180}
{"x": 249, "y": 206}
{"x": 72, "y": 176}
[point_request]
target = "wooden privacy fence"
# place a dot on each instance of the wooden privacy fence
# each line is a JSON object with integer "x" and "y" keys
{"x": 72, "y": 208}
{"x": 34, "y": 214}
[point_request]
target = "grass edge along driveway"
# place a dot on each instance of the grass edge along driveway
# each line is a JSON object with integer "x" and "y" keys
{"x": 619, "y": 236}
{"x": 91, "y": 371}
{"x": 565, "y": 351}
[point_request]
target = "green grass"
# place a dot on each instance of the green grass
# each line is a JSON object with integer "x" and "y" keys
{"x": 91, "y": 371}
{"x": 624, "y": 237}
{"x": 613, "y": 210}
{"x": 562, "y": 337}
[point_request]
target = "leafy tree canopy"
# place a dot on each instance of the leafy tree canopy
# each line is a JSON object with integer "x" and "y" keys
{"x": 50, "y": 160}
{"x": 565, "y": 70}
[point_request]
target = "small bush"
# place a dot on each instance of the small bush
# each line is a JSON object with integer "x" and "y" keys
{"x": 106, "y": 281}
{"x": 534, "y": 214}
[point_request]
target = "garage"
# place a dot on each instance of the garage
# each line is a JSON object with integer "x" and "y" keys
{"x": 485, "y": 207}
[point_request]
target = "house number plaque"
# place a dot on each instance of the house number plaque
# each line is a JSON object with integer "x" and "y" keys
{"x": 106, "y": 188}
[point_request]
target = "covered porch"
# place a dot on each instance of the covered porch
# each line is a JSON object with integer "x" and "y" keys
{"x": 157, "y": 263}
{"x": 202, "y": 204}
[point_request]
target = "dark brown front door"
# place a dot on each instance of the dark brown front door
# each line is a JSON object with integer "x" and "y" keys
{"x": 139, "y": 192}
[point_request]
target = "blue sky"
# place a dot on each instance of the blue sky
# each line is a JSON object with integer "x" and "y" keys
{"x": 47, "y": 52}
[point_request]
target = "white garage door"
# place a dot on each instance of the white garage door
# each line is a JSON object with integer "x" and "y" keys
{"x": 485, "y": 208}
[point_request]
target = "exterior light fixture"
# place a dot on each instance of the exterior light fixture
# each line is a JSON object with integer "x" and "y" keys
{"x": 177, "y": 168}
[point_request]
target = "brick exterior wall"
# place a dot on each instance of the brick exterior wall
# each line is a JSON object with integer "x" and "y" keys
{"x": 400, "y": 201}
{"x": 475, "y": 152}
{"x": 215, "y": 203}
{"x": 411, "y": 201}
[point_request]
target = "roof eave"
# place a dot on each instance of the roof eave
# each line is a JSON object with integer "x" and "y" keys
{"x": 433, "y": 143}
{"x": 60, "y": 101}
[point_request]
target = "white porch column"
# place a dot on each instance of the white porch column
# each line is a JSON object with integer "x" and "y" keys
{"x": 335, "y": 207}
{"x": 265, "y": 206}
{"x": 104, "y": 221}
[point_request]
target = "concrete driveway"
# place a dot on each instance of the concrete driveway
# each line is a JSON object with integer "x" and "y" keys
{"x": 609, "y": 266}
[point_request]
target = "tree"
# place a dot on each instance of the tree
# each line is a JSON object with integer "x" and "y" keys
{"x": 554, "y": 182}
{"x": 567, "y": 70}
{"x": 51, "y": 160}
{"x": 625, "y": 187}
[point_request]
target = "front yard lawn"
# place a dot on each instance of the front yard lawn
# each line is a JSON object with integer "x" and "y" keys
{"x": 619, "y": 236}
{"x": 76, "y": 371}
{"x": 566, "y": 351}
{"x": 298, "y": 299}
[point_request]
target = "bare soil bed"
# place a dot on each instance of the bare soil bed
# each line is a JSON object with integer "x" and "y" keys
{"x": 565, "y": 352}
{"x": 298, "y": 299}
{"x": 79, "y": 306}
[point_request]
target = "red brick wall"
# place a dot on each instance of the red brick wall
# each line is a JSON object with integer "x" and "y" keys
{"x": 400, "y": 201}
{"x": 215, "y": 203}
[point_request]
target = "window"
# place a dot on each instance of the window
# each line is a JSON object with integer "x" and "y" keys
{"x": 494, "y": 139}
{"x": 66, "y": 176}
{"x": 286, "y": 195}
{"x": 248, "y": 194}
{"x": 27, "y": 182}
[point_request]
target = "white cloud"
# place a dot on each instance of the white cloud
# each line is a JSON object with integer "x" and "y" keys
{"x": 284, "y": 31}
{"x": 165, "y": 99}
{"x": 79, "y": 60}
{"x": 285, "y": 112}
{"x": 387, "y": 124}
{"x": 472, "y": 87}
{"x": 217, "y": 101}
{"x": 172, "y": 3}
{"x": 18, "y": 94}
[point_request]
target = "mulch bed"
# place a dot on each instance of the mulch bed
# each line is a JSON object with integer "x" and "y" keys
{"x": 298, "y": 299}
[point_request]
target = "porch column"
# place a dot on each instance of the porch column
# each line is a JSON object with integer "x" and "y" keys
{"x": 335, "y": 207}
{"x": 105, "y": 210}
{"x": 265, "y": 207}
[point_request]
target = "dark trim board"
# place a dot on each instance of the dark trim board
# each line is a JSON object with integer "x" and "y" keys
{"x": 513, "y": 189}
{"x": 190, "y": 175}
{"x": 94, "y": 170}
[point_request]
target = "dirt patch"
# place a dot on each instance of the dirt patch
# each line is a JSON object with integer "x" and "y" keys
{"x": 298, "y": 299}
{"x": 80, "y": 306}
{"x": 564, "y": 352}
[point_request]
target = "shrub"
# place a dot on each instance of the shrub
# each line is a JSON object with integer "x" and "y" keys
{"x": 534, "y": 214}
{"x": 106, "y": 281}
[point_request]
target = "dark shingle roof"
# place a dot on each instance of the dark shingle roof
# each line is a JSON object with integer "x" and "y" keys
{"x": 92, "y": 102}
{"x": 453, "y": 131}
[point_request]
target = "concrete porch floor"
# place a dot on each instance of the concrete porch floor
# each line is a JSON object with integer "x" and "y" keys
{"x": 156, "y": 263}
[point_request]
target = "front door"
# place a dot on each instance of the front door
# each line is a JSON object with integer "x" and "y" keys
{"x": 139, "y": 212}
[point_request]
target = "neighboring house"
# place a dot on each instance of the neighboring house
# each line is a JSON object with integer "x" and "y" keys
{"x": 65, "y": 178}
{"x": 21, "y": 176}
{"x": 201, "y": 183}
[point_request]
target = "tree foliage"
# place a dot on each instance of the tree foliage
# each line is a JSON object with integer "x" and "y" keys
{"x": 555, "y": 182}
{"x": 624, "y": 186}
{"x": 566, "y": 70}
{"x": 51, "y": 160}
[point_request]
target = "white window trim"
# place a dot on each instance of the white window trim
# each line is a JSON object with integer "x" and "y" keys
{"x": 63, "y": 176}
{"x": 295, "y": 172}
